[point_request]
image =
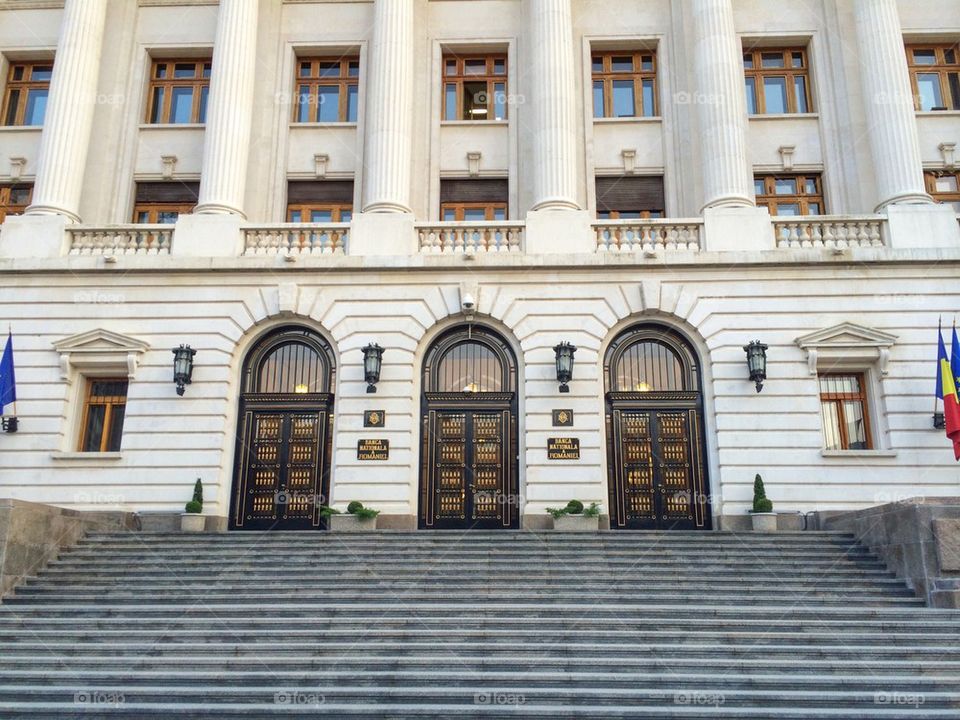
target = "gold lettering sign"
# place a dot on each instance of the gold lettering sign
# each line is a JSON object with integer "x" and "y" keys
{"x": 373, "y": 449}
{"x": 563, "y": 448}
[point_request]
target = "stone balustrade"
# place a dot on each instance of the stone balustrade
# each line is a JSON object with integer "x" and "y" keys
{"x": 467, "y": 237}
{"x": 120, "y": 240}
{"x": 648, "y": 235}
{"x": 829, "y": 231}
{"x": 296, "y": 239}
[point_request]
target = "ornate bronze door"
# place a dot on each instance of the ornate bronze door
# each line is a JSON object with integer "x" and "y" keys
{"x": 284, "y": 434}
{"x": 469, "y": 457}
{"x": 470, "y": 478}
{"x": 657, "y": 473}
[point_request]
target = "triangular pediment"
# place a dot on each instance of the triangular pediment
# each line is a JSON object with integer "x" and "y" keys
{"x": 847, "y": 335}
{"x": 101, "y": 341}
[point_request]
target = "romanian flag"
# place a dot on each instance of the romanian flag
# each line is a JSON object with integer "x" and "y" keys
{"x": 948, "y": 390}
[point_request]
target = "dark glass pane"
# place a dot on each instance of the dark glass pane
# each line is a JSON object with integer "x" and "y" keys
{"x": 41, "y": 73}
{"x": 21, "y": 195}
{"x": 305, "y": 69}
{"x": 167, "y": 217}
{"x": 353, "y": 103}
{"x": 775, "y": 95}
{"x": 831, "y": 426}
{"x": 184, "y": 70}
{"x": 13, "y": 102}
{"x": 181, "y": 105}
{"x": 758, "y": 187}
{"x": 143, "y": 217}
{"x": 353, "y": 68}
{"x": 295, "y": 216}
{"x": 499, "y": 214}
{"x": 788, "y": 209}
{"x": 328, "y": 103}
{"x": 646, "y": 62}
{"x": 19, "y": 71}
{"x": 856, "y": 425}
{"x": 449, "y": 215}
{"x": 598, "y": 98}
{"x": 474, "y": 215}
{"x": 751, "y": 87}
{"x": 772, "y": 60}
{"x": 624, "y": 100}
{"x": 814, "y": 209}
{"x": 346, "y": 216}
{"x": 36, "y": 107}
{"x": 953, "y": 80}
{"x": 469, "y": 365}
{"x": 116, "y": 428}
{"x": 748, "y": 61}
{"x": 321, "y": 216}
{"x": 330, "y": 69}
{"x": 475, "y": 67}
{"x": 499, "y": 101}
{"x": 204, "y": 96}
{"x": 475, "y": 101}
{"x": 800, "y": 90}
{"x": 786, "y": 186}
{"x": 450, "y": 67}
{"x": 160, "y": 71}
{"x": 648, "y": 366}
{"x": 291, "y": 366}
{"x": 499, "y": 67}
{"x": 950, "y": 56}
{"x": 649, "y": 99}
{"x": 206, "y": 69}
{"x": 156, "y": 114}
{"x": 931, "y": 95}
{"x": 597, "y": 64}
{"x": 450, "y": 102}
{"x": 810, "y": 186}
{"x": 796, "y": 59}
{"x": 924, "y": 57}
{"x": 303, "y": 104}
{"x": 621, "y": 64}
{"x": 94, "y": 431}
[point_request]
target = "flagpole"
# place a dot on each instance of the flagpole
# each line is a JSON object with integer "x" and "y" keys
{"x": 939, "y": 337}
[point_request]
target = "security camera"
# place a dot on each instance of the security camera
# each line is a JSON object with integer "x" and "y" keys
{"x": 468, "y": 302}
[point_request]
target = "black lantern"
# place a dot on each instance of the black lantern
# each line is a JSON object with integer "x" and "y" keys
{"x": 183, "y": 366}
{"x": 564, "y": 352}
{"x": 757, "y": 362}
{"x": 10, "y": 424}
{"x": 372, "y": 360}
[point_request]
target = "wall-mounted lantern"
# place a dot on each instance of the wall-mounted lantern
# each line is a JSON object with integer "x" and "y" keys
{"x": 183, "y": 366}
{"x": 564, "y": 352}
{"x": 757, "y": 362}
{"x": 372, "y": 360}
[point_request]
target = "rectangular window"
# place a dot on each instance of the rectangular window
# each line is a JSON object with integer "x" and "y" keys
{"x": 944, "y": 186}
{"x": 178, "y": 92}
{"x": 327, "y": 90}
{"x": 777, "y": 81}
{"x": 474, "y": 200}
{"x": 319, "y": 201}
{"x": 935, "y": 74}
{"x": 475, "y": 88}
{"x": 846, "y": 420}
{"x": 164, "y": 202}
{"x": 104, "y": 407}
{"x": 625, "y": 84}
{"x": 25, "y": 98}
{"x": 630, "y": 197}
{"x": 14, "y": 199}
{"x": 790, "y": 195}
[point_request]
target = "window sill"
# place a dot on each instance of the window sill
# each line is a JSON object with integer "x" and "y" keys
{"x": 172, "y": 126}
{"x": 88, "y": 456}
{"x": 785, "y": 116}
{"x": 313, "y": 125}
{"x": 853, "y": 454}
{"x": 938, "y": 113}
{"x": 626, "y": 120}
{"x": 472, "y": 123}
{"x": 21, "y": 128}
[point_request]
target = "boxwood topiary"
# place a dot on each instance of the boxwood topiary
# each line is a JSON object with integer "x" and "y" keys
{"x": 194, "y": 508}
{"x": 574, "y": 507}
{"x": 761, "y": 503}
{"x": 354, "y": 506}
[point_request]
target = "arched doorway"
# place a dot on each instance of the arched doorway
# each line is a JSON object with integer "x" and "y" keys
{"x": 657, "y": 472}
{"x": 282, "y": 472}
{"x": 469, "y": 465}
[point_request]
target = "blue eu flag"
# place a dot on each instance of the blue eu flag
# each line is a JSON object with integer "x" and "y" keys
{"x": 8, "y": 382}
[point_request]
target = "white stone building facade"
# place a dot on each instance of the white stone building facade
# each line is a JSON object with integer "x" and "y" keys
{"x": 544, "y": 211}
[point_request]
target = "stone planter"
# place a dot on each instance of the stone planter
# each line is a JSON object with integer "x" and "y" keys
{"x": 764, "y": 522}
{"x": 192, "y": 522}
{"x": 576, "y": 523}
{"x": 352, "y": 524}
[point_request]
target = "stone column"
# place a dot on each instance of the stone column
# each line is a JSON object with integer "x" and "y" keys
{"x": 721, "y": 106}
{"x": 888, "y": 96}
{"x": 65, "y": 140}
{"x": 389, "y": 110}
{"x": 553, "y": 105}
{"x": 226, "y": 145}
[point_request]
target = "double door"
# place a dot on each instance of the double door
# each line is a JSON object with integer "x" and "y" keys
{"x": 657, "y": 478}
{"x": 469, "y": 473}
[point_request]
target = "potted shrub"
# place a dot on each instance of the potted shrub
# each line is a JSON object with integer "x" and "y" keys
{"x": 357, "y": 518}
{"x": 762, "y": 516}
{"x": 575, "y": 517}
{"x": 192, "y": 519}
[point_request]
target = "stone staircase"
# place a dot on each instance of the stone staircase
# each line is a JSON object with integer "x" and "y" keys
{"x": 475, "y": 624}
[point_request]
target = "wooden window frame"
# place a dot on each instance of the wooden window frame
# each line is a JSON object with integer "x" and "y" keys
{"x": 23, "y": 88}
{"x": 336, "y": 210}
{"x": 154, "y": 210}
{"x": 758, "y": 73}
{"x": 200, "y": 80}
{"x": 607, "y": 76}
{"x": 947, "y": 198}
{"x": 110, "y": 402}
{"x": 315, "y": 81}
{"x": 839, "y": 398}
{"x": 489, "y": 208}
{"x": 771, "y": 200}
{"x": 941, "y": 68}
{"x": 616, "y": 214}
{"x": 7, "y": 208}
{"x": 460, "y": 78}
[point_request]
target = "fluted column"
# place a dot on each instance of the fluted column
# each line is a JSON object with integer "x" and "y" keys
{"x": 389, "y": 113}
{"x": 553, "y": 105}
{"x": 721, "y": 105}
{"x": 226, "y": 145}
{"x": 65, "y": 140}
{"x": 887, "y": 91}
